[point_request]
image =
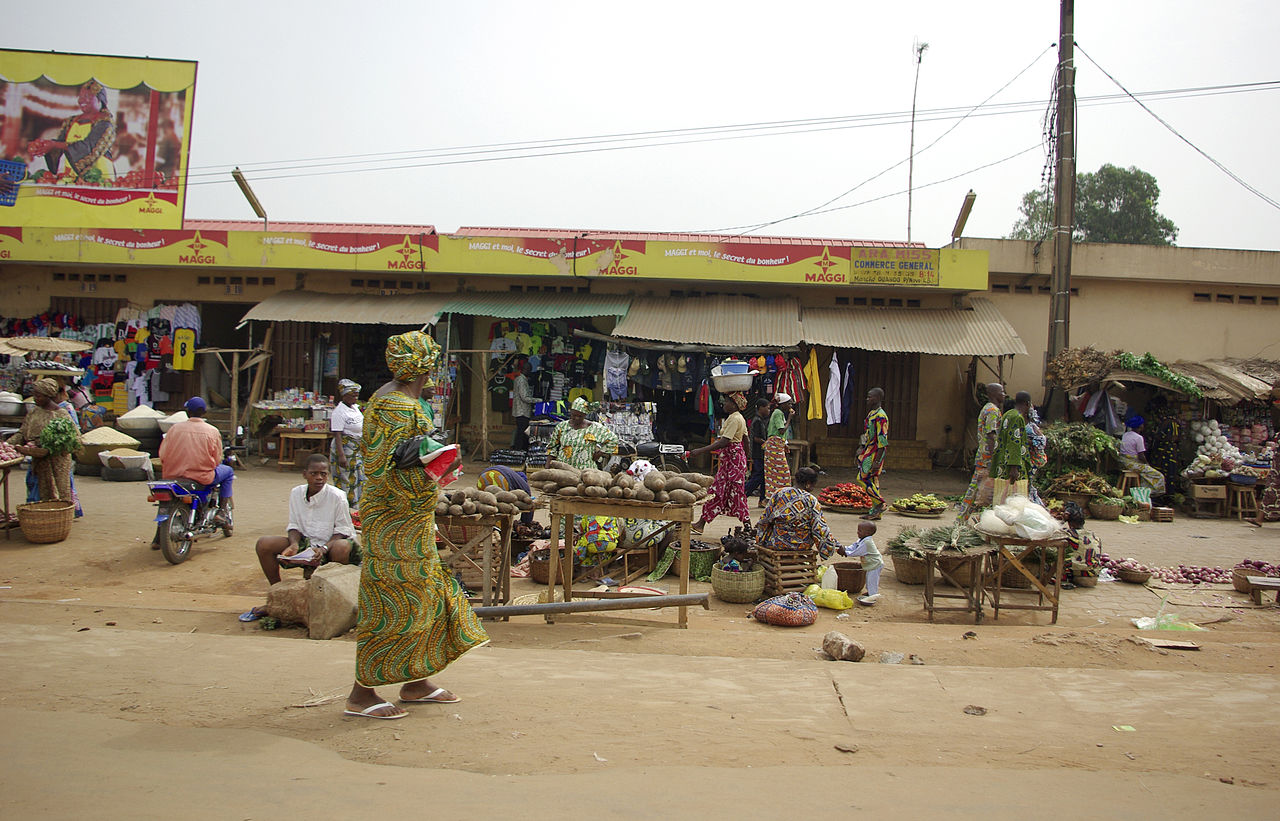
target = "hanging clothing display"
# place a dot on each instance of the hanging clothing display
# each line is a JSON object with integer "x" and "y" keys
{"x": 813, "y": 377}
{"x": 835, "y": 392}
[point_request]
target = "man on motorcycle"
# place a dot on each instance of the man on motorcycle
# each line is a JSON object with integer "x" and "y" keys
{"x": 192, "y": 450}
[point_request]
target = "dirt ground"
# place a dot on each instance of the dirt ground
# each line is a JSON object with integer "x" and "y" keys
{"x": 135, "y": 676}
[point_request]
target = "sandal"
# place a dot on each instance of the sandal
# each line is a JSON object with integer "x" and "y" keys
{"x": 367, "y": 712}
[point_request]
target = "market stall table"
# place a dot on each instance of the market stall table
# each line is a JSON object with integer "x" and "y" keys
{"x": 8, "y": 523}
{"x": 1002, "y": 559}
{"x": 289, "y": 440}
{"x": 477, "y": 551}
{"x": 971, "y": 594}
{"x": 563, "y": 507}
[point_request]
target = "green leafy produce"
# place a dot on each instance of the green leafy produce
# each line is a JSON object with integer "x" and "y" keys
{"x": 59, "y": 436}
{"x": 1151, "y": 366}
{"x": 950, "y": 537}
{"x": 1076, "y": 444}
{"x": 900, "y": 544}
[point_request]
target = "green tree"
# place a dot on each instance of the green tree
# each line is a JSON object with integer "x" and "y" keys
{"x": 1112, "y": 205}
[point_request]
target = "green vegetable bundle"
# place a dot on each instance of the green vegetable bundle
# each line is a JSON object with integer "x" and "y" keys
{"x": 1076, "y": 444}
{"x": 60, "y": 436}
{"x": 899, "y": 544}
{"x": 1151, "y": 366}
{"x": 950, "y": 537}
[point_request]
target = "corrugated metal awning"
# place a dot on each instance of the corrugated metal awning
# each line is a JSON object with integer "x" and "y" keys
{"x": 716, "y": 320}
{"x": 358, "y": 309}
{"x": 982, "y": 331}
{"x": 522, "y": 305}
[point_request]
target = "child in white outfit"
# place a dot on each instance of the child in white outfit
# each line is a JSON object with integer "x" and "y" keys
{"x": 872, "y": 562}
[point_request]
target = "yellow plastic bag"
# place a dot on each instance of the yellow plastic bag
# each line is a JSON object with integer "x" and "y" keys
{"x": 831, "y": 599}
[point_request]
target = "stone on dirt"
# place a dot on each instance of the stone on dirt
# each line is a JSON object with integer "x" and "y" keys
{"x": 842, "y": 648}
{"x": 334, "y": 592}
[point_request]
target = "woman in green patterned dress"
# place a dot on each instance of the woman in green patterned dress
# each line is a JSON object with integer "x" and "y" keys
{"x": 579, "y": 442}
{"x": 414, "y": 618}
{"x": 1012, "y": 458}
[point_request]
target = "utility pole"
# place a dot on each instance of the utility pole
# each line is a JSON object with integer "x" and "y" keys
{"x": 918, "y": 49}
{"x": 1064, "y": 192}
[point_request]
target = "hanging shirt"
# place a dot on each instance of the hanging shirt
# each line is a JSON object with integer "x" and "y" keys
{"x": 835, "y": 392}
{"x": 184, "y": 349}
{"x": 813, "y": 377}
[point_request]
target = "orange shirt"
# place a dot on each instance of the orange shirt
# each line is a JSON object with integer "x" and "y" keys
{"x": 191, "y": 450}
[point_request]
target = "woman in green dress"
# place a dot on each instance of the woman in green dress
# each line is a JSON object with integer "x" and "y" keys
{"x": 414, "y": 618}
{"x": 578, "y": 442}
{"x": 1012, "y": 458}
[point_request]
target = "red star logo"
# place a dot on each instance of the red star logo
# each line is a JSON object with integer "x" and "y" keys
{"x": 825, "y": 262}
{"x": 196, "y": 245}
{"x": 407, "y": 249}
{"x": 618, "y": 255}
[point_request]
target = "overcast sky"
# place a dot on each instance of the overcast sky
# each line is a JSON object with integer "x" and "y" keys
{"x": 287, "y": 81}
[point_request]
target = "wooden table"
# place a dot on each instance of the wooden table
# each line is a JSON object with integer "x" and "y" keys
{"x": 289, "y": 444}
{"x": 463, "y": 555}
{"x": 1003, "y": 559}
{"x": 4, "y": 481}
{"x": 970, "y": 594}
{"x": 567, "y": 507}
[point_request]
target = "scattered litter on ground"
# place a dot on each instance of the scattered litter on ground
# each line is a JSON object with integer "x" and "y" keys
{"x": 969, "y": 634}
{"x": 1123, "y": 728}
{"x": 892, "y": 658}
{"x": 846, "y": 747}
{"x": 975, "y": 710}
{"x": 914, "y": 659}
{"x": 599, "y": 757}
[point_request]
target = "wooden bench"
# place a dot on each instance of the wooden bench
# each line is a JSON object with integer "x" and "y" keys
{"x": 1257, "y": 584}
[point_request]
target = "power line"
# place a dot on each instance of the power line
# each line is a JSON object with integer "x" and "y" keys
{"x": 1268, "y": 200}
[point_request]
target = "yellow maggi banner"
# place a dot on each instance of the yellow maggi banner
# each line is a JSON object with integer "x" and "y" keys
{"x": 96, "y": 140}
{"x": 816, "y": 264}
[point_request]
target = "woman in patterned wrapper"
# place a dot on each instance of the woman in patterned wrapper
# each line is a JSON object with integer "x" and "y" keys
{"x": 414, "y": 618}
{"x": 85, "y": 145}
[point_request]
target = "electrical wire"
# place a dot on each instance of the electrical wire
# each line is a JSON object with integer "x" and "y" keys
{"x": 1252, "y": 190}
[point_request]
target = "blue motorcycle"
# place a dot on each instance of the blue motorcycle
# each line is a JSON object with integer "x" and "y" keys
{"x": 187, "y": 512}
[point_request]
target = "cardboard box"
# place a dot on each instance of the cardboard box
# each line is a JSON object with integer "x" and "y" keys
{"x": 1208, "y": 491}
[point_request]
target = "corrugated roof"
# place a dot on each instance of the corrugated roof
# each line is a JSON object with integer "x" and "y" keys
{"x": 521, "y": 305}
{"x": 359, "y": 309}
{"x": 306, "y": 227}
{"x": 744, "y": 239}
{"x": 982, "y": 331}
{"x": 720, "y": 320}
{"x": 1232, "y": 380}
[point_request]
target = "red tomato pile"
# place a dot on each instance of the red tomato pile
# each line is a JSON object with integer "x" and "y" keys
{"x": 846, "y": 494}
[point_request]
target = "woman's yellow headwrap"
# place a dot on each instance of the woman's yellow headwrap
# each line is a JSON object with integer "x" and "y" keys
{"x": 412, "y": 354}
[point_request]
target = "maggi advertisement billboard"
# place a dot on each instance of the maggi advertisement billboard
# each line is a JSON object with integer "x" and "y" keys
{"x": 103, "y": 140}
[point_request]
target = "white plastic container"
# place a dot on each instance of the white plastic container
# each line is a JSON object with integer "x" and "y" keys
{"x": 730, "y": 383}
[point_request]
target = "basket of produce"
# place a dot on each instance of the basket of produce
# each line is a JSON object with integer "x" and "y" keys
{"x": 46, "y": 522}
{"x": 1107, "y": 508}
{"x": 1251, "y": 567}
{"x": 737, "y": 587}
{"x": 846, "y": 497}
{"x": 1080, "y": 486}
{"x": 951, "y": 544}
{"x": 920, "y": 505}
{"x": 9, "y": 455}
{"x": 1131, "y": 571}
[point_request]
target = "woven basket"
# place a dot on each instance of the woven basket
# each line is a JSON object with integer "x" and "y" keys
{"x": 1134, "y": 576}
{"x": 960, "y": 569}
{"x": 908, "y": 569}
{"x": 850, "y": 577}
{"x": 1085, "y": 581}
{"x": 540, "y": 566}
{"x": 1081, "y": 499}
{"x": 1106, "y": 512}
{"x": 1012, "y": 578}
{"x": 1240, "y": 578}
{"x": 46, "y": 522}
{"x": 738, "y": 588}
{"x": 701, "y": 561}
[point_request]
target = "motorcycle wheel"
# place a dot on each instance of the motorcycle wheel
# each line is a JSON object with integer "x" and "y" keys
{"x": 674, "y": 463}
{"x": 173, "y": 544}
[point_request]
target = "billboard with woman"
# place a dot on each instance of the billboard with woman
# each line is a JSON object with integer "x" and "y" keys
{"x": 98, "y": 141}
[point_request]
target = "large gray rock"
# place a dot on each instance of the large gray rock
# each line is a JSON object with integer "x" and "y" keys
{"x": 333, "y": 596}
{"x": 842, "y": 648}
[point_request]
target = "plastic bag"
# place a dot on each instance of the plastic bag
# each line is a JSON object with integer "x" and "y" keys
{"x": 989, "y": 522}
{"x": 1164, "y": 621}
{"x": 1035, "y": 522}
{"x": 829, "y": 578}
{"x": 830, "y": 599}
{"x": 1011, "y": 509}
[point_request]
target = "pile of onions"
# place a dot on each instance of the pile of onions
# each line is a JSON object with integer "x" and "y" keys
{"x": 1259, "y": 568}
{"x": 1187, "y": 573}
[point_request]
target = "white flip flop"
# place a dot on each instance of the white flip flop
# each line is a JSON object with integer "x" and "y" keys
{"x": 367, "y": 712}
{"x": 430, "y": 698}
